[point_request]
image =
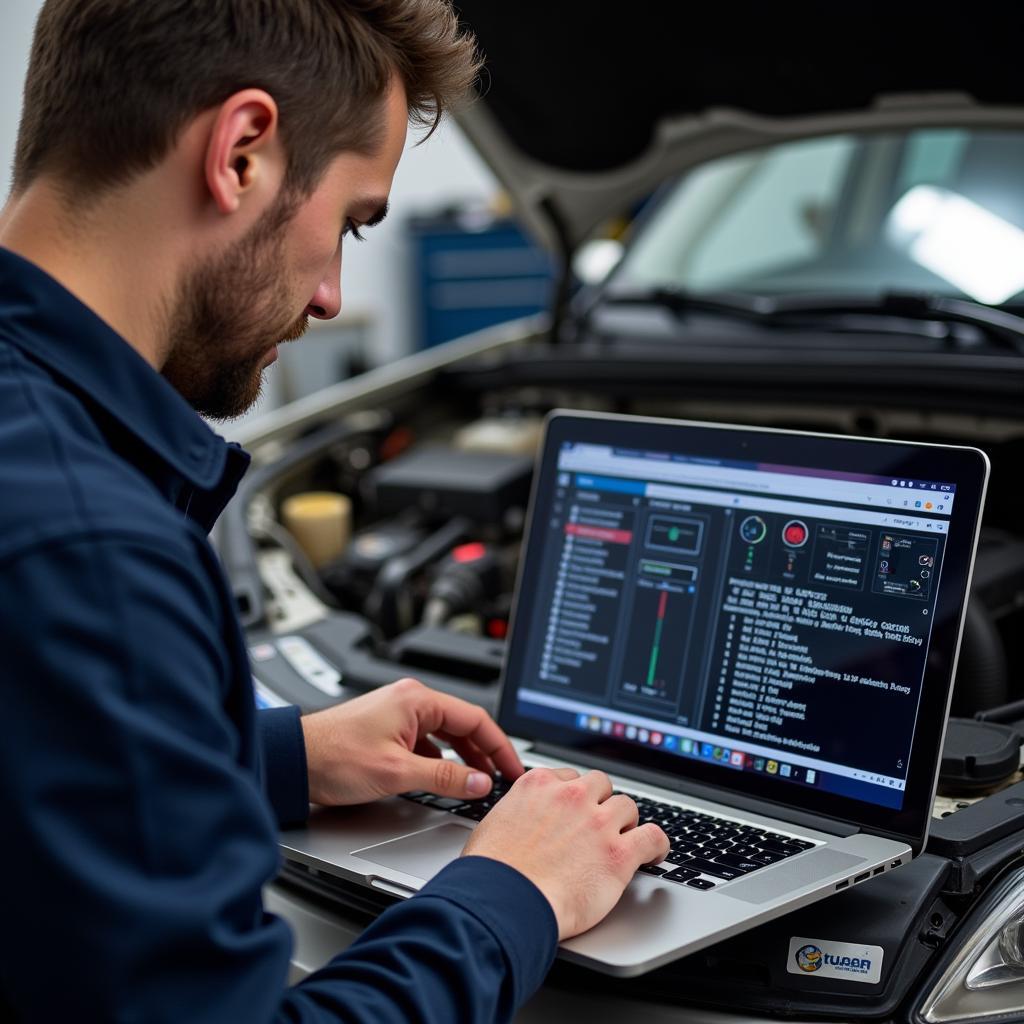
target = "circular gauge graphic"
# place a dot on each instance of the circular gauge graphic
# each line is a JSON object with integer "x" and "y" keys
{"x": 753, "y": 529}
{"x": 795, "y": 533}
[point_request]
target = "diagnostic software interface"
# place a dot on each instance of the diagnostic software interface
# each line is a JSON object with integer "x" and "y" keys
{"x": 768, "y": 618}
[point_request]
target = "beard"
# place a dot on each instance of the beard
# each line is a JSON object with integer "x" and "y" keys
{"x": 229, "y": 312}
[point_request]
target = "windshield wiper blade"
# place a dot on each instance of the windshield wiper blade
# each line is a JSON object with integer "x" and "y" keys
{"x": 754, "y": 307}
{"x": 1002, "y": 326}
{"x": 1006, "y": 328}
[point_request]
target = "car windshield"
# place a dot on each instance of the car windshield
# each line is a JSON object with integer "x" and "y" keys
{"x": 927, "y": 211}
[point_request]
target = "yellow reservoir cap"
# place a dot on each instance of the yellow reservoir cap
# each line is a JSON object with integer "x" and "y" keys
{"x": 321, "y": 523}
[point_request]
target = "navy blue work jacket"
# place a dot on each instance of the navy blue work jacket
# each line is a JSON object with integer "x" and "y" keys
{"x": 140, "y": 790}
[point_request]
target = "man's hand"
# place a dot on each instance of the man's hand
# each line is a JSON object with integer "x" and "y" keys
{"x": 379, "y": 744}
{"x": 575, "y": 841}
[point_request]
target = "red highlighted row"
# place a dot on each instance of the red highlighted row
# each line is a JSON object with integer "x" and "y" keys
{"x": 599, "y": 533}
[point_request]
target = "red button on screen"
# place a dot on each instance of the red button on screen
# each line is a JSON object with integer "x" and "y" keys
{"x": 795, "y": 534}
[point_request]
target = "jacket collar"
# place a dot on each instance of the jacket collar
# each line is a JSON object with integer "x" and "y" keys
{"x": 54, "y": 328}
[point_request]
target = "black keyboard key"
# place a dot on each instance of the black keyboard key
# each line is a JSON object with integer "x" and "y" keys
{"x": 700, "y": 883}
{"x": 744, "y": 850}
{"x": 719, "y": 844}
{"x": 679, "y": 857}
{"x": 772, "y": 846}
{"x": 446, "y": 803}
{"x": 681, "y": 875}
{"x": 743, "y": 864}
{"x": 675, "y": 832}
{"x": 682, "y": 846}
{"x": 767, "y": 858}
{"x": 709, "y": 867}
{"x": 471, "y": 811}
{"x": 652, "y": 869}
{"x": 800, "y": 844}
{"x": 778, "y": 837}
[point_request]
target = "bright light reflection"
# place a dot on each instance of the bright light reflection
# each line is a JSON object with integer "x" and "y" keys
{"x": 962, "y": 242}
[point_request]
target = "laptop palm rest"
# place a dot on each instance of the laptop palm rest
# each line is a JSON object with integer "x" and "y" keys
{"x": 786, "y": 878}
{"x": 421, "y": 855}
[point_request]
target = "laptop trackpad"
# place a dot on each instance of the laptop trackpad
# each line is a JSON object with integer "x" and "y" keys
{"x": 421, "y": 855}
{"x": 791, "y": 875}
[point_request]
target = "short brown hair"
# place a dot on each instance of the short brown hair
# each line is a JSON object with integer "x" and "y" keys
{"x": 112, "y": 83}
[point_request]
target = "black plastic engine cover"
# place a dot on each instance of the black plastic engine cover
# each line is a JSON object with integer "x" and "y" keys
{"x": 446, "y": 482}
{"x": 344, "y": 641}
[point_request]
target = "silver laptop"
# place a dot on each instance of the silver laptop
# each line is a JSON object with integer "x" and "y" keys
{"x": 754, "y": 632}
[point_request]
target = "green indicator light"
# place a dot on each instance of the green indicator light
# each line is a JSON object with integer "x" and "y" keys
{"x": 656, "y": 569}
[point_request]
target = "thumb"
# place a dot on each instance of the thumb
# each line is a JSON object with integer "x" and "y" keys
{"x": 447, "y": 778}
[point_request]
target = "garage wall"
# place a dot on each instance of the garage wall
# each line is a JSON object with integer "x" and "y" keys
{"x": 17, "y": 18}
{"x": 376, "y": 282}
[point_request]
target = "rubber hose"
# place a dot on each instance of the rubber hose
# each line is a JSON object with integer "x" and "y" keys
{"x": 981, "y": 676}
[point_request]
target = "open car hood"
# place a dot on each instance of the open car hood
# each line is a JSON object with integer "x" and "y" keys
{"x": 583, "y": 114}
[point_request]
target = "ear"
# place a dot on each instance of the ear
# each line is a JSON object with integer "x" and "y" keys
{"x": 243, "y": 149}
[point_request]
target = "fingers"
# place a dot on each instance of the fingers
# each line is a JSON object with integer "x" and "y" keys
{"x": 648, "y": 843}
{"x": 469, "y": 752}
{"x": 623, "y": 811}
{"x": 440, "y": 713}
{"x": 562, "y": 774}
{"x": 598, "y": 785}
{"x": 444, "y": 777}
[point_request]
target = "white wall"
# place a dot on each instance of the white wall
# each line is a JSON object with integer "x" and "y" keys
{"x": 441, "y": 171}
{"x": 17, "y": 18}
{"x": 376, "y": 281}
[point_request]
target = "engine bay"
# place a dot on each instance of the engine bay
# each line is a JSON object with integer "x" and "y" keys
{"x": 425, "y": 479}
{"x": 427, "y": 506}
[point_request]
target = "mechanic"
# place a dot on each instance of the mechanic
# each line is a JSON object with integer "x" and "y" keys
{"x": 184, "y": 173}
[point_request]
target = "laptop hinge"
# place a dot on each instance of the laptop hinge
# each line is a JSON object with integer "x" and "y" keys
{"x": 756, "y": 805}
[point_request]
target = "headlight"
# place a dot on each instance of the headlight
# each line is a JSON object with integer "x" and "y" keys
{"x": 985, "y": 979}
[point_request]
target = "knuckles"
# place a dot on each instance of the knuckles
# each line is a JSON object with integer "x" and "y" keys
{"x": 408, "y": 687}
{"x": 573, "y": 793}
{"x": 444, "y": 775}
{"x": 618, "y": 855}
{"x": 536, "y": 777}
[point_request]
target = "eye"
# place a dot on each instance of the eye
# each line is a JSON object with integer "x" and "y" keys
{"x": 352, "y": 230}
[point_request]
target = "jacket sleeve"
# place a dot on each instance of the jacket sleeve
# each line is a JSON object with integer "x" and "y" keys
{"x": 473, "y": 945}
{"x": 142, "y": 841}
{"x": 283, "y": 763}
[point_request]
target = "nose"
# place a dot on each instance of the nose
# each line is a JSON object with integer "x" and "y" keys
{"x": 326, "y": 301}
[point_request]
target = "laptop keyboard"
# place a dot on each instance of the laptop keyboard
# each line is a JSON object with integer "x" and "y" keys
{"x": 705, "y": 851}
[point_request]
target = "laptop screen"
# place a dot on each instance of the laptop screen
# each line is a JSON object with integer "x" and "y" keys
{"x": 744, "y": 614}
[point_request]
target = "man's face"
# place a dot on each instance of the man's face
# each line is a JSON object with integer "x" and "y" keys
{"x": 233, "y": 309}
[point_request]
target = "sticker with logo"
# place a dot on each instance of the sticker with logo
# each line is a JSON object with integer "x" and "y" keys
{"x": 823, "y": 958}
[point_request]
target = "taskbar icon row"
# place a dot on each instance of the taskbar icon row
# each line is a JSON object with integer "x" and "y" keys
{"x": 687, "y": 747}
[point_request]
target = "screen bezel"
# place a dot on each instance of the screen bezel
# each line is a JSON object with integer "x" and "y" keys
{"x": 965, "y": 467}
